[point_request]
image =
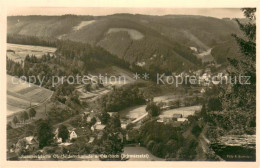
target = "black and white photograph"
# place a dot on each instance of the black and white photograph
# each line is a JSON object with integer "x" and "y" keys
{"x": 131, "y": 84}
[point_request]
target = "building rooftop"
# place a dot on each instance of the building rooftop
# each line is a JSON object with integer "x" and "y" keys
{"x": 177, "y": 115}
{"x": 100, "y": 127}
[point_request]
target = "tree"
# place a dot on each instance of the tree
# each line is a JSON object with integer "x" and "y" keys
{"x": 188, "y": 150}
{"x": 15, "y": 120}
{"x": 32, "y": 113}
{"x": 174, "y": 104}
{"x": 153, "y": 109}
{"x": 93, "y": 121}
{"x": 24, "y": 116}
{"x": 172, "y": 147}
{"x": 246, "y": 64}
{"x": 104, "y": 117}
{"x": 100, "y": 83}
{"x": 63, "y": 133}
{"x": 130, "y": 126}
{"x": 88, "y": 87}
{"x": 157, "y": 149}
{"x": 114, "y": 122}
{"x": 203, "y": 112}
{"x": 112, "y": 145}
{"x": 9, "y": 125}
{"x": 214, "y": 104}
{"x": 239, "y": 100}
{"x": 178, "y": 103}
{"x": 196, "y": 130}
{"x": 45, "y": 135}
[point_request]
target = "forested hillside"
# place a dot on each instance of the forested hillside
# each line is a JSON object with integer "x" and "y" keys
{"x": 161, "y": 42}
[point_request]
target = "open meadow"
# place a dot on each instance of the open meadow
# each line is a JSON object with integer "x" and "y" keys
{"x": 18, "y": 52}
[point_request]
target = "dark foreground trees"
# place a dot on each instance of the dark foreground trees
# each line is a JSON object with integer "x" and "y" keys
{"x": 24, "y": 116}
{"x": 44, "y": 132}
{"x": 238, "y": 100}
{"x": 153, "y": 109}
{"x": 121, "y": 98}
{"x": 63, "y": 133}
{"x": 32, "y": 113}
{"x": 244, "y": 95}
{"x": 15, "y": 120}
{"x": 104, "y": 117}
{"x": 162, "y": 140}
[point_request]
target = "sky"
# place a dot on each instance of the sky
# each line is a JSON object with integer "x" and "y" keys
{"x": 213, "y": 12}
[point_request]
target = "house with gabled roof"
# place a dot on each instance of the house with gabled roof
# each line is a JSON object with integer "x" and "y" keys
{"x": 73, "y": 135}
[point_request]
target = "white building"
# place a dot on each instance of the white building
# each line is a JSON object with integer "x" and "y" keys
{"x": 182, "y": 119}
{"x": 59, "y": 140}
{"x": 29, "y": 139}
{"x": 123, "y": 126}
{"x": 89, "y": 119}
{"x": 98, "y": 123}
{"x": 73, "y": 135}
{"x": 100, "y": 127}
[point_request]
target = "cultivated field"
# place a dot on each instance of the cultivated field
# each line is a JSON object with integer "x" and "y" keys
{"x": 18, "y": 52}
{"x": 20, "y": 95}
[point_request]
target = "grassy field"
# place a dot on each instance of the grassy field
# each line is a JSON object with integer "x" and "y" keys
{"x": 21, "y": 96}
{"x": 18, "y": 52}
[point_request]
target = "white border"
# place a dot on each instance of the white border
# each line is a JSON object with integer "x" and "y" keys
{"x": 113, "y": 3}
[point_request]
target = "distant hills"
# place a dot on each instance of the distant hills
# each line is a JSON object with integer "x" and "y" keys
{"x": 152, "y": 42}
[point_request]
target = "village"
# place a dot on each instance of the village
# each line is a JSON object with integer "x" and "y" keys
{"x": 89, "y": 126}
{"x": 30, "y": 144}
